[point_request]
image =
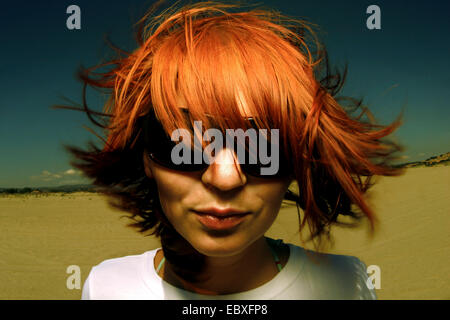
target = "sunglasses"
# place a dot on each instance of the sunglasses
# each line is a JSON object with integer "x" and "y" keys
{"x": 159, "y": 147}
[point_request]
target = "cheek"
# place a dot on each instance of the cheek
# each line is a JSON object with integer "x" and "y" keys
{"x": 173, "y": 190}
{"x": 270, "y": 194}
{"x": 273, "y": 192}
{"x": 167, "y": 186}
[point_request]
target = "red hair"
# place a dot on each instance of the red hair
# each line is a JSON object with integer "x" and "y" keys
{"x": 206, "y": 55}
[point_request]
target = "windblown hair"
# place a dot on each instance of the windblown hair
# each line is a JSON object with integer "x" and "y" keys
{"x": 209, "y": 53}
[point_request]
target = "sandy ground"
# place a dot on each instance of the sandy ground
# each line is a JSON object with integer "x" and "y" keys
{"x": 41, "y": 236}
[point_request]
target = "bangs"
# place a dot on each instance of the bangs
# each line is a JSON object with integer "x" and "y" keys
{"x": 229, "y": 68}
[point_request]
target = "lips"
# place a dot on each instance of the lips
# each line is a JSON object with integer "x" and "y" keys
{"x": 220, "y": 219}
{"x": 221, "y": 212}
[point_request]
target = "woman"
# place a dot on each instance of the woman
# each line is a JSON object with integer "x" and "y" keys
{"x": 208, "y": 66}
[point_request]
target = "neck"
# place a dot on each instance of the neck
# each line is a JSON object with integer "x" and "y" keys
{"x": 225, "y": 275}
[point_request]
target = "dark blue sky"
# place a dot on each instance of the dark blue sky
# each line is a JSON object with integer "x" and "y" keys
{"x": 405, "y": 64}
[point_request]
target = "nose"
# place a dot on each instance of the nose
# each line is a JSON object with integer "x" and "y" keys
{"x": 225, "y": 172}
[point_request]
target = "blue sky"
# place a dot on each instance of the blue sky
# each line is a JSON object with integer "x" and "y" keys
{"x": 403, "y": 65}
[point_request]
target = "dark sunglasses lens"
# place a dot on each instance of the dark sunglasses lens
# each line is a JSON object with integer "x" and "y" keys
{"x": 168, "y": 163}
{"x": 160, "y": 146}
{"x": 264, "y": 159}
{"x": 160, "y": 151}
{"x": 276, "y": 168}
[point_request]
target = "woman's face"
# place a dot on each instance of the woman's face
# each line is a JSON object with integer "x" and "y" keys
{"x": 186, "y": 196}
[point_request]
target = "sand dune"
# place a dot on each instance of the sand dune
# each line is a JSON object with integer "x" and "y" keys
{"x": 42, "y": 235}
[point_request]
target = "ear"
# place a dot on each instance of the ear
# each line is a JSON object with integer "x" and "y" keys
{"x": 147, "y": 168}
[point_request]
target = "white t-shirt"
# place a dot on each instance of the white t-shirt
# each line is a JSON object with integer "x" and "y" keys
{"x": 135, "y": 278}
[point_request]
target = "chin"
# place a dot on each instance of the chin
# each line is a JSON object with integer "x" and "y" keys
{"x": 213, "y": 245}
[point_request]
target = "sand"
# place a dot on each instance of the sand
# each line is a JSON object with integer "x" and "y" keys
{"x": 42, "y": 235}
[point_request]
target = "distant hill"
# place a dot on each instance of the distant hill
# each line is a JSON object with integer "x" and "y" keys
{"x": 441, "y": 160}
{"x": 64, "y": 188}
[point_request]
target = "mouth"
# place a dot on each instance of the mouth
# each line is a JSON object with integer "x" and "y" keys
{"x": 220, "y": 219}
